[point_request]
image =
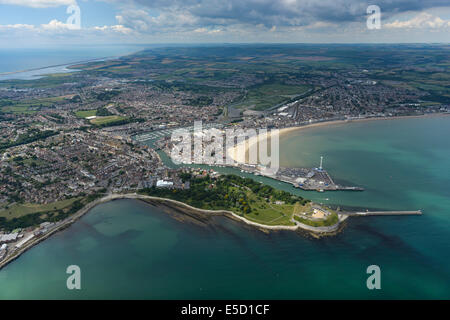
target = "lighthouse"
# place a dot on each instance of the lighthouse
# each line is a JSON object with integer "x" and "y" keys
{"x": 321, "y": 161}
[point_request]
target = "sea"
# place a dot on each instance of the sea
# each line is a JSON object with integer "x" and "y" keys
{"x": 127, "y": 249}
{"x": 32, "y": 63}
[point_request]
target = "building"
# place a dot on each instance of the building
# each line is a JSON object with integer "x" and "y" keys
{"x": 24, "y": 240}
{"x": 164, "y": 184}
{"x": 5, "y": 238}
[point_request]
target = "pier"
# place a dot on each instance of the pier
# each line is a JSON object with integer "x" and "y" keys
{"x": 383, "y": 213}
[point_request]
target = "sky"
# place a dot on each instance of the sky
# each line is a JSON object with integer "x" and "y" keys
{"x": 42, "y": 23}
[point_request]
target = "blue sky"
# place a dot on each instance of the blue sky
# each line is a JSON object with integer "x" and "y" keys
{"x": 30, "y": 23}
{"x": 94, "y": 13}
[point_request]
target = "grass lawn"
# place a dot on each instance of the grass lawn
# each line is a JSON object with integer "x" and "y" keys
{"x": 106, "y": 120}
{"x": 306, "y": 209}
{"x": 19, "y": 210}
{"x": 270, "y": 217}
{"x": 281, "y": 214}
{"x": 329, "y": 221}
{"x": 86, "y": 113}
{"x": 269, "y": 213}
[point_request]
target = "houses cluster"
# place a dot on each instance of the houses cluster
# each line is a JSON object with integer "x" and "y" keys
{"x": 69, "y": 164}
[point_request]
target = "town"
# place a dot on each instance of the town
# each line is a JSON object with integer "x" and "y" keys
{"x": 67, "y": 139}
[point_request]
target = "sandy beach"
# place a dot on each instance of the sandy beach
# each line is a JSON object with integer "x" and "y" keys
{"x": 239, "y": 152}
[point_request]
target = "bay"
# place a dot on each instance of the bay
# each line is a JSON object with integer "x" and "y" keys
{"x": 128, "y": 249}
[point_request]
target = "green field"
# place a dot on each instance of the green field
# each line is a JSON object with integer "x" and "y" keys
{"x": 19, "y": 210}
{"x": 104, "y": 121}
{"x": 86, "y": 113}
{"x": 268, "y": 212}
{"x": 329, "y": 221}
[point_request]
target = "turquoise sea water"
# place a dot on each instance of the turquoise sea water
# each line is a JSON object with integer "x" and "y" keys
{"x": 128, "y": 249}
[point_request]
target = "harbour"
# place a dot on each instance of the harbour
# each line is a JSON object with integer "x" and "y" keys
{"x": 308, "y": 179}
{"x": 127, "y": 236}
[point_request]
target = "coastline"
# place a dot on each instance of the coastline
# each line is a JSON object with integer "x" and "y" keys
{"x": 315, "y": 231}
{"x": 236, "y": 154}
{"x": 70, "y": 66}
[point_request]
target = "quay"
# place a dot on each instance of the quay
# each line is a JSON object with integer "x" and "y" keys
{"x": 308, "y": 179}
{"x": 328, "y": 188}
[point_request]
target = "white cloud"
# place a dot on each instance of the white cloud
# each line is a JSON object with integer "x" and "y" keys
{"x": 17, "y": 26}
{"x": 321, "y": 24}
{"x": 56, "y": 25}
{"x": 422, "y": 20}
{"x": 169, "y": 21}
{"x": 207, "y": 31}
{"x": 39, "y": 3}
{"x": 116, "y": 28}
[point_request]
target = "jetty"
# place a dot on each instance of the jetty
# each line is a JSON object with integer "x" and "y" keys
{"x": 383, "y": 213}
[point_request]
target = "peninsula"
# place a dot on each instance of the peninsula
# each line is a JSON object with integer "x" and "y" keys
{"x": 243, "y": 200}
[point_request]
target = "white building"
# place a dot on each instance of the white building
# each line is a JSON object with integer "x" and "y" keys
{"x": 164, "y": 184}
{"x": 25, "y": 240}
{"x": 8, "y": 237}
